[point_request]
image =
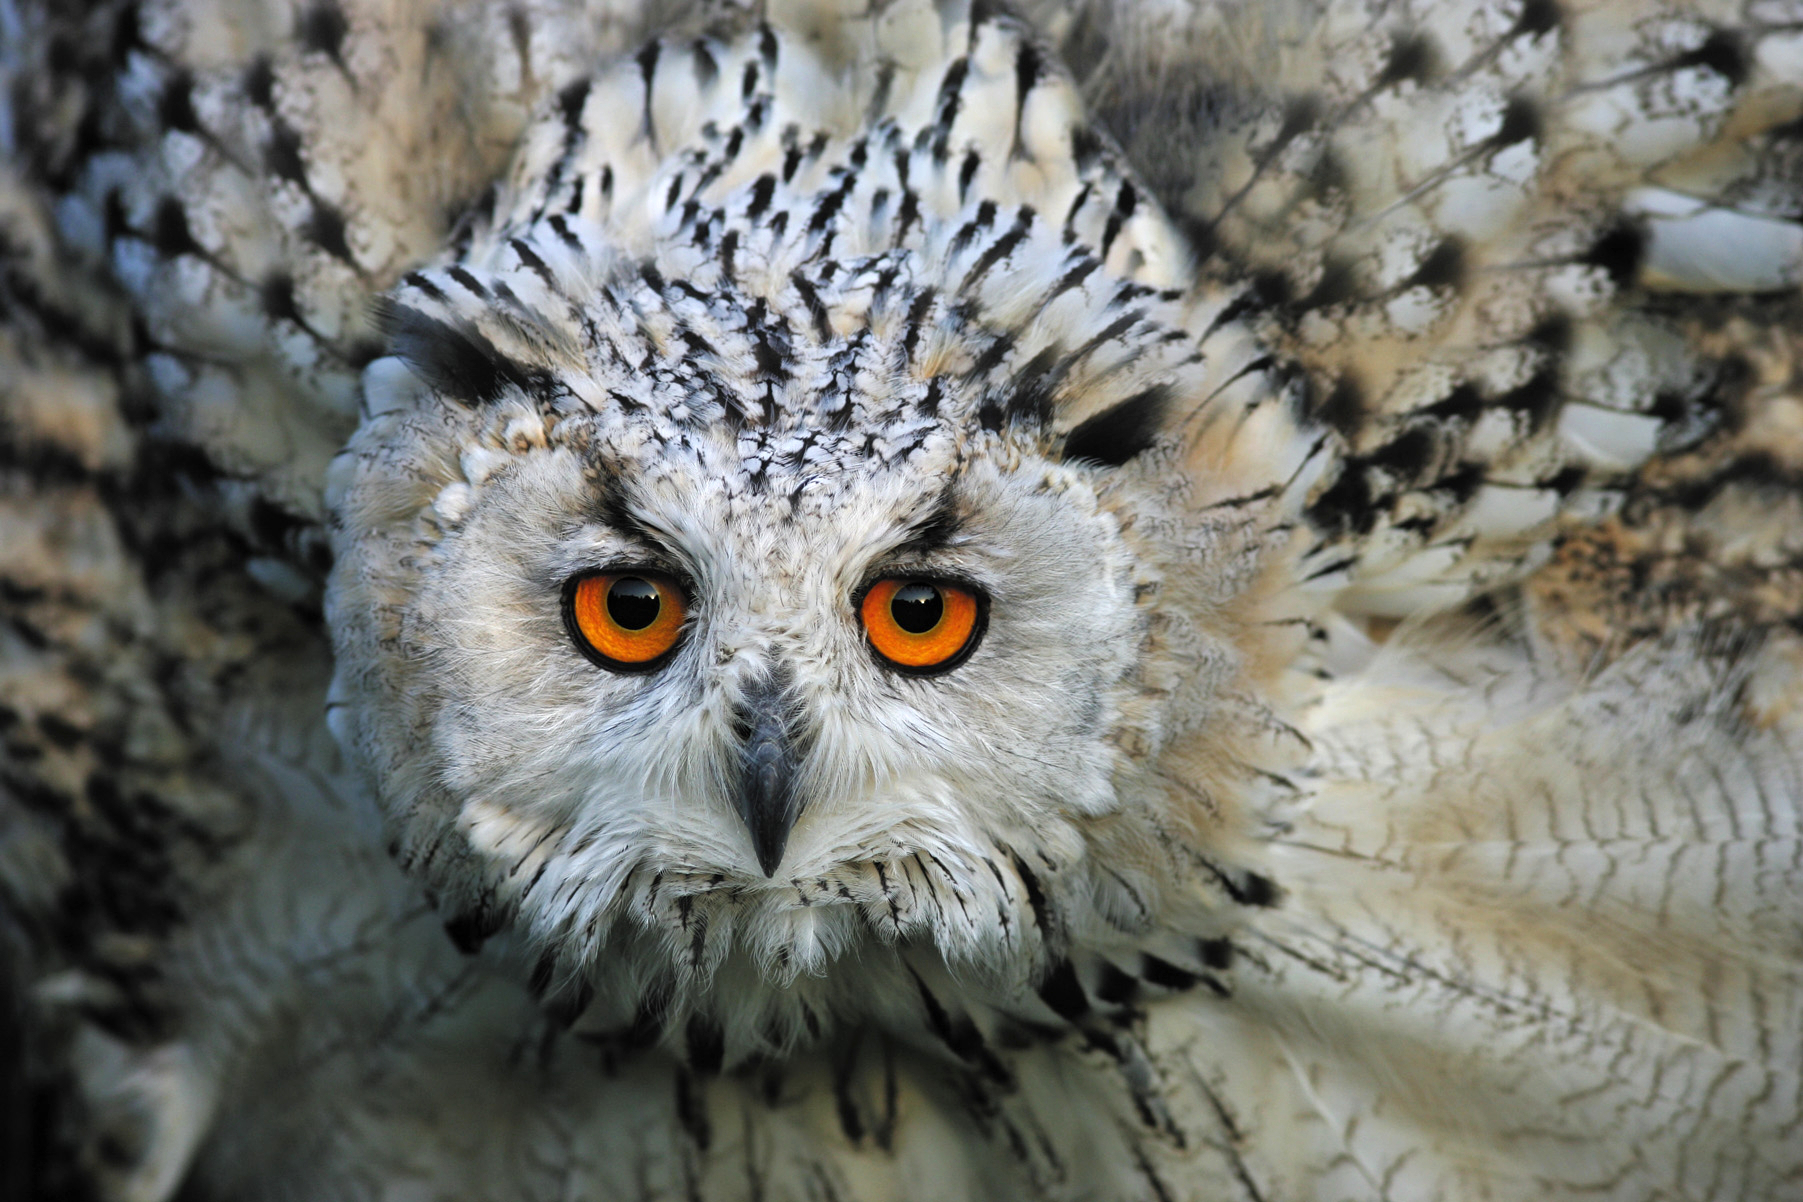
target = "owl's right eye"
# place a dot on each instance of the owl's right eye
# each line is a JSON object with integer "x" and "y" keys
{"x": 627, "y": 621}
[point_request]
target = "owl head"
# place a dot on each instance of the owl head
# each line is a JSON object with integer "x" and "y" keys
{"x": 775, "y": 540}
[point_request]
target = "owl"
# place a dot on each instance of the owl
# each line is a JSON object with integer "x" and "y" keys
{"x": 902, "y": 600}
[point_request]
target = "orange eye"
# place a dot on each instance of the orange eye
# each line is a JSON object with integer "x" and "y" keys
{"x": 627, "y": 621}
{"x": 921, "y": 626}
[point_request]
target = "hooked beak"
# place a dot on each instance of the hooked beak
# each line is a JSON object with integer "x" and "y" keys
{"x": 768, "y": 801}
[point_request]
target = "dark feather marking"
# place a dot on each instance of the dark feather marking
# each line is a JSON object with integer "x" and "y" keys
{"x": 1444, "y": 266}
{"x": 1335, "y": 285}
{"x": 1164, "y": 974}
{"x": 1619, "y": 252}
{"x": 456, "y": 360}
{"x": 1116, "y": 987}
{"x": 530, "y": 259}
{"x": 1246, "y": 302}
{"x": 691, "y": 1109}
{"x": 570, "y": 103}
{"x": 1255, "y": 889}
{"x": 1120, "y": 432}
{"x": 908, "y": 215}
{"x": 1087, "y": 148}
{"x": 259, "y": 82}
{"x": 1343, "y": 408}
{"x": 1462, "y": 404}
{"x": 1722, "y": 52}
{"x": 1521, "y": 122}
{"x": 831, "y": 203}
{"x": 565, "y": 234}
{"x": 999, "y": 348}
{"x": 323, "y": 28}
{"x": 1036, "y": 899}
{"x": 967, "y": 172}
{"x": 763, "y": 189}
{"x": 1000, "y": 249}
{"x": 961, "y": 1036}
{"x": 706, "y": 67}
{"x": 423, "y": 283}
{"x": 170, "y": 233}
{"x": 463, "y": 276}
{"x": 1031, "y": 388}
{"x": 1215, "y": 953}
{"x": 1539, "y": 397}
{"x": 934, "y": 531}
{"x": 1077, "y": 203}
{"x": 1408, "y": 455}
{"x": 917, "y": 312}
{"x": 1347, "y": 507}
{"x": 175, "y": 107}
{"x": 729, "y": 249}
{"x": 1085, "y": 267}
{"x": 276, "y": 295}
{"x": 1160, "y": 1191}
{"x": 967, "y": 233}
{"x": 929, "y": 402}
{"x": 647, "y": 61}
{"x": 950, "y": 99}
{"x": 1125, "y": 202}
{"x": 326, "y": 230}
{"x": 851, "y": 1122}
{"x": 1536, "y": 17}
{"x": 1029, "y": 69}
{"x": 1109, "y": 333}
{"x": 1236, "y": 1140}
{"x": 1337, "y": 564}
{"x": 705, "y": 1043}
{"x": 1064, "y": 993}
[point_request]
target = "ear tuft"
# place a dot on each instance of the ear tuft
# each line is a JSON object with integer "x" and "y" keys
{"x": 456, "y": 360}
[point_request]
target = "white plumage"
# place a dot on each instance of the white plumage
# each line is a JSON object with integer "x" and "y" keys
{"x": 1359, "y": 441}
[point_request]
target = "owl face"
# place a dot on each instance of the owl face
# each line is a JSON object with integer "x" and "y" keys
{"x": 618, "y": 668}
{"x": 743, "y": 582}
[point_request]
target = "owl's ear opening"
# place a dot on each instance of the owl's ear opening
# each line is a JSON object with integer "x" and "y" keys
{"x": 1121, "y": 431}
{"x": 457, "y": 360}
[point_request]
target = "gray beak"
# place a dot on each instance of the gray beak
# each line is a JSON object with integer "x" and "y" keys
{"x": 767, "y": 769}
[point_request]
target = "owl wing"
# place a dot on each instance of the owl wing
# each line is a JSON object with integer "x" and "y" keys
{"x": 197, "y": 205}
{"x": 1501, "y": 255}
{"x": 1527, "y": 277}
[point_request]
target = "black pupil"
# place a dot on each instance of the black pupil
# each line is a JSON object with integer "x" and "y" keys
{"x": 633, "y": 603}
{"x": 917, "y": 608}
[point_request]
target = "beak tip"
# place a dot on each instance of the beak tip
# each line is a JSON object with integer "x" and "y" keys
{"x": 768, "y": 842}
{"x": 767, "y": 799}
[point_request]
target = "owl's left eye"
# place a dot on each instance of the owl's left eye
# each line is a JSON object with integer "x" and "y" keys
{"x": 922, "y": 627}
{"x": 628, "y": 621}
